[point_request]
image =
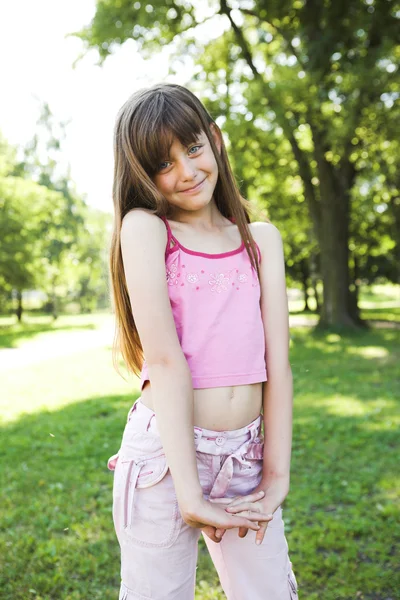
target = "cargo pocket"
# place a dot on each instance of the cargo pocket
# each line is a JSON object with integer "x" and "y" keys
{"x": 151, "y": 515}
{"x": 293, "y": 588}
{"x": 125, "y": 593}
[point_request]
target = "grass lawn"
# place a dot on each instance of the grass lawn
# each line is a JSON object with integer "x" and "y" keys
{"x": 62, "y": 416}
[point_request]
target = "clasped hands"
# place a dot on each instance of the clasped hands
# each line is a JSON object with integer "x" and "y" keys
{"x": 252, "y": 511}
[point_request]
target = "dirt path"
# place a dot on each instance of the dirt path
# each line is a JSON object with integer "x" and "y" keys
{"x": 67, "y": 343}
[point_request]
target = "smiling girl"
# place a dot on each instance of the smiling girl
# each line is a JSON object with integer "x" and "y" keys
{"x": 201, "y": 313}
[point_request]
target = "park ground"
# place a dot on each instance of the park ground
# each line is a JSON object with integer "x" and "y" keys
{"x": 62, "y": 411}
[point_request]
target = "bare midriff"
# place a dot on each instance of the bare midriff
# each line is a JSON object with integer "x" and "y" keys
{"x": 220, "y": 408}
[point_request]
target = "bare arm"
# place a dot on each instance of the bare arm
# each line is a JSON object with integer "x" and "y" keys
{"x": 278, "y": 390}
{"x": 143, "y": 243}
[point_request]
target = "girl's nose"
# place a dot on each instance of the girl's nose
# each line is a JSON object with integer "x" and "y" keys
{"x": 187, "y": 169}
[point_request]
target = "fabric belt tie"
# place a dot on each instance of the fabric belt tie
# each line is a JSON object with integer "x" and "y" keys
{"x": 224, "y": 477}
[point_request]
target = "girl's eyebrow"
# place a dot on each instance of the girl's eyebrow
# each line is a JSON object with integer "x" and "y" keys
{"x": 194, "y": 142}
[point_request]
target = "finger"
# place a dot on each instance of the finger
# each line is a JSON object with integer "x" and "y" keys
{"x": 244, "y": 506}
{"x": 261, "y": 532}
{"x": 211, "y": 532}
{"x": 254, "y": 515}
{"x": 246, "y": 523}
{"x": 248, "y": 498}
{"x": 243, "y": 532}
{"x": 222, "y": 500}
{"x": 219, "y": 533}
{"x": 238, "y": 521}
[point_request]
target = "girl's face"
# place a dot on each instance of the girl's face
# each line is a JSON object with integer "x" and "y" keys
{"x": 188, "y": 176}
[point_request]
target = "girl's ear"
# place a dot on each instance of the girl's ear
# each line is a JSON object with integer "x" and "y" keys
{"x": 216, "y": 133}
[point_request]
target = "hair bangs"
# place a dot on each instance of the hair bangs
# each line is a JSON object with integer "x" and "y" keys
{"x": 166, "y": 120}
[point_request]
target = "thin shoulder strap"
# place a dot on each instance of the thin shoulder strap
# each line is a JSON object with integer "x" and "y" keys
{"x": 170, "y": 234}
{"x": 257, "y": 246}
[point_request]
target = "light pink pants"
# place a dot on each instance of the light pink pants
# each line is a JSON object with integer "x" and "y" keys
{"x": 159, "y": 550}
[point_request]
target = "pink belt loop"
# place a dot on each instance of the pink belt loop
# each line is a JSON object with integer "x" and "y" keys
{"x": 148, "y": 424}
{"x": 130, "y": 412}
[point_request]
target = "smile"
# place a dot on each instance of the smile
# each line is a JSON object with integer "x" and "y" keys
{"x": 195, "y": 188}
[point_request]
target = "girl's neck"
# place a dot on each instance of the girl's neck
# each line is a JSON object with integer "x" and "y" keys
{"x": 207, "y": 219}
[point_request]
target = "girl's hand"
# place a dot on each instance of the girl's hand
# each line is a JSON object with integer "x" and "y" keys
{"x": 216, "y": 534}
{"x": 273, "y": 495}
{"x": 210, "y": 517}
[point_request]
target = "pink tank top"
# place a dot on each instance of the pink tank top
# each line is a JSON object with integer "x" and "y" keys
{"x": 215, "y": 300}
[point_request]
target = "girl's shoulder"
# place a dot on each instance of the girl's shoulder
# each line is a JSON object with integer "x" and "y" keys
{"x": 267, "y": 236}
{"x": 141, "y": 222}
{"x": 138, "y": 210}
{"x": 143, "y": 216}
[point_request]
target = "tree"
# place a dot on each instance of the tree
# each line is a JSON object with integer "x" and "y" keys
{"x": 24, "y": 206}
{"x": 50, "y": 239}
{"x": 59, "y": 228}
{"x": 314, "y": 71}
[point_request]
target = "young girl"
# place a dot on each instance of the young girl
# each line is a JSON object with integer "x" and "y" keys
{"x": 199, "y": 293}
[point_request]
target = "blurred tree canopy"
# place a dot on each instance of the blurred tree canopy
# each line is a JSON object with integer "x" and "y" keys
{"x": 305, "y": 92}
{"x": 50, "y": 239}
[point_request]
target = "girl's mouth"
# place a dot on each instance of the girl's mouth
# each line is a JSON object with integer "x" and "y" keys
{"x": 195, "y": 188}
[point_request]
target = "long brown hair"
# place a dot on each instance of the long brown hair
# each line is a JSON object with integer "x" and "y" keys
{"x": 145, "y": 128}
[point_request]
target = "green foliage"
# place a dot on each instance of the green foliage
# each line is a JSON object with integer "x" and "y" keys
{"x": 24, "y": 206}
{"x": 51, "y": 240}
{"x": 305, "y": 93}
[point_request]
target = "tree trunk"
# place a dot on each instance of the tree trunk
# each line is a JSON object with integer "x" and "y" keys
{"x": 54, "y": 303}
{"x": 304, "y": 280}
{"x": 395, "y": 208}
{"x": 354, "y": 295}
{"x": 316, "y": 295}
{"x": 314, "y": 281}
{"x": 333, "y": 237}
{"x": 19, "y": 306}
{"x": 334, "y": 264}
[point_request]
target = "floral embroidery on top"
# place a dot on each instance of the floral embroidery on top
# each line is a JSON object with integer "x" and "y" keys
{"x": 218, "y": 282}
{"x": 192, "y": 277}
{"x": 172, "y": 275}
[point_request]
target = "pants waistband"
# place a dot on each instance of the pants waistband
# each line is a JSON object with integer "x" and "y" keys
{"x": 238, "y": 445}
{"x": 241, "y": 444}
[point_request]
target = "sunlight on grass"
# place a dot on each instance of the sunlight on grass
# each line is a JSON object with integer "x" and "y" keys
{"x": 333, "y": 337}
{"x": 369, "y": 351}
{"x": 345, "y": 406}
{"x": 382, "y": 425}
{"x": 380, "y": 292}
{"x": 390, "y": 486}
{"x": 54, "y": 383}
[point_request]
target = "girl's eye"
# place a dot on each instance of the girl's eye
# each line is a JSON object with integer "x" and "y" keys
{"x": 198, "y": 146}
{"x": 161, "y": 167}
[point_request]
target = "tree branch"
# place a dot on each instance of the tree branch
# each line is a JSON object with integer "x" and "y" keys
{"x": 299, "y": 154}
{"x": 225, "y": 10}
{"x": 281, "y": 32}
